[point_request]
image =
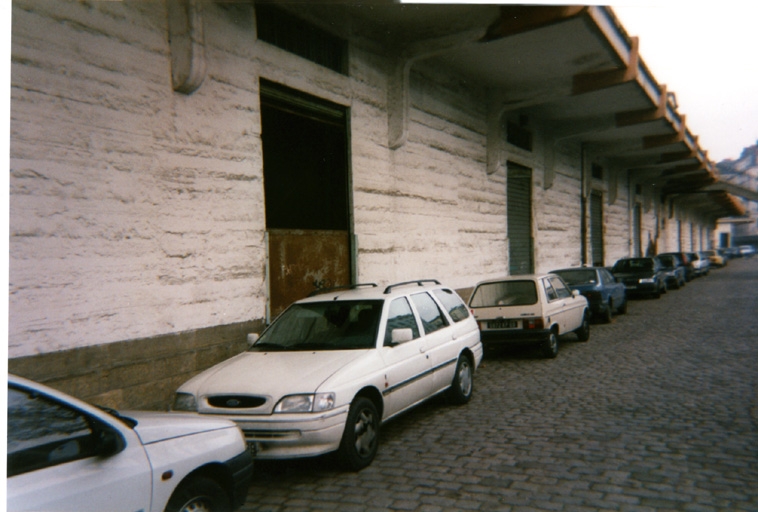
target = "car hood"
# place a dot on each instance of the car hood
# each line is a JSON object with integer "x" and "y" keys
{"x": 153, "y": 427}
{"x": 273, "y": 374}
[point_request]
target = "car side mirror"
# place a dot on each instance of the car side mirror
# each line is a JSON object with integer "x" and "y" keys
{"x": 575, "y": 293}
{"x": 252, "y": 337}
{"x": 109, "y": 441}
{"x": 401, "y": 335}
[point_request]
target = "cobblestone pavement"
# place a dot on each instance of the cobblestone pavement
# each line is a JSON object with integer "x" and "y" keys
{"x": 658, "y": 411}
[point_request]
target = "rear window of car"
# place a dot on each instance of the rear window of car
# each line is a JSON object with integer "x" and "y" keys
{"x": 504, "y": 293}
{"x": 452, "y": 303}
{"x": 579, "y": 276}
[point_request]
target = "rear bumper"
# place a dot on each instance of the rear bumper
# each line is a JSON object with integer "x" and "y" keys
{"x": 515, "y": 336}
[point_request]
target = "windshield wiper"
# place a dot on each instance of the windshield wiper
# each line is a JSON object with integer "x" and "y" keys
{"x": 268, "y": 347}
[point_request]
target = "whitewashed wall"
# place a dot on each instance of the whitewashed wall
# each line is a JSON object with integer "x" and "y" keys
{"x": 136, "y": 211}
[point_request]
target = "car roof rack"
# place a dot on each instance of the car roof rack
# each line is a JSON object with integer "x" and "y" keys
{"x": 419, "y": 282}
{"x": 344, "y": 287}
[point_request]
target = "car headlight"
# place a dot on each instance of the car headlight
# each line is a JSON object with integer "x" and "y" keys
{"x": 647, "y": 280}
{"x": 184, "y": 402}
{"x": 306, "y": 403}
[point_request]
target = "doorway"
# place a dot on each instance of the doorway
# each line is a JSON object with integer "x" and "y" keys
{"x": 306, "y": 186}
{"x": 519, "y": 212}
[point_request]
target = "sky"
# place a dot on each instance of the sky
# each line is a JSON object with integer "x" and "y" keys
{"x": 705, "y": 52}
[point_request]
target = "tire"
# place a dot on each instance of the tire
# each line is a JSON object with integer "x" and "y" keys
{"x": 463, "y": 382}
{"x": 583, "y": 333}
{"x": 199, "y": 494}
{"x": 550, "y": 346}
{"x": 624, "y": 307}
{"x": 360, "y": 440}
{"x": 608, "y": 313}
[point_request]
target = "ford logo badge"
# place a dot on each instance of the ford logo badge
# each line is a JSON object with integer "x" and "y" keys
{"x": 233, "y": 402}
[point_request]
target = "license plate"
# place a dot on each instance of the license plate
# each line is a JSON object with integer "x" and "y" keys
{"x": 502, "y": 324}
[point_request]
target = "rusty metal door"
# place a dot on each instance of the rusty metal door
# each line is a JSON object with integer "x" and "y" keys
{"x": 306, "y": 185}
{"x": 301, "y": 261}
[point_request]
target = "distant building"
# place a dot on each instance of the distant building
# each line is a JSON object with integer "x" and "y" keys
{"x": 743, "y": 172}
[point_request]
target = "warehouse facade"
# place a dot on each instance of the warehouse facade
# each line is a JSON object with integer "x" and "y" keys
{"x": 182, "y": 170}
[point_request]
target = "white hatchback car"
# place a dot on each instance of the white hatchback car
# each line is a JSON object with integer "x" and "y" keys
{"x": 64, "y": 454}
{"x": 334, "y": 366}
{"x": 529, "y": 309}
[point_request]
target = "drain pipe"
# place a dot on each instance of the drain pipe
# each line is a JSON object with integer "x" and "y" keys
{"x": 583, "y": 197}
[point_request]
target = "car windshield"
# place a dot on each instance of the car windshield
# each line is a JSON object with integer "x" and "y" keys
{"x": 504, "y": 293}
{"x": 634, "y": 265}
{"x": 668, "y": 261}
{"x": 578, "y": 276}
{"x": 343, "y": 325}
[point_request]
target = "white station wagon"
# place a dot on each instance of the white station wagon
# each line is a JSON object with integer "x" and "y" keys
{"x": 332, "y": 367}
{"x": 529, "y": 309}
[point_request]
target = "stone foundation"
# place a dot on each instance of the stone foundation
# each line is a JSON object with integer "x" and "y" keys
{"x": 135, "y": 374}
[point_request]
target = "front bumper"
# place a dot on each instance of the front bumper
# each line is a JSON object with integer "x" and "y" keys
{"x": 241, "y": 469}
{"x": 285, "y": 436}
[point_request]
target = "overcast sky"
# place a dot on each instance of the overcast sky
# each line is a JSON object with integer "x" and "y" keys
{"x": 705, "y": 52}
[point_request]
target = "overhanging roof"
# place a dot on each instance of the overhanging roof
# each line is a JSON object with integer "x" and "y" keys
{"x": 573, "y": 68}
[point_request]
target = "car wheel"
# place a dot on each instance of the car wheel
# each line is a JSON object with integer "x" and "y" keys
{"x": 583, "y": 333}
{"x": 608, "y": 313}
{"x": 360, "y": 439}
{"x": 550, "y": 346}
{"x": 199, "y": 494}
{"x": 463, "y": 382}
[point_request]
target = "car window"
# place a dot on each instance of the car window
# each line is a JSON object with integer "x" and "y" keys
{"x": 432, "y": 318}
{"x": 400, "y": 317}
{"x": 44, "y": 433}
{"x": 504, "y": 293}
{"x": 560, "y": 287}
{"x": 634, "y": 265}
{"x": 607, "y": 276}
{"x": 578, "y": 276}
{"x": 454, "y": 305}
{"x": 549, "y": 290}
{"x": 332, "y": 325}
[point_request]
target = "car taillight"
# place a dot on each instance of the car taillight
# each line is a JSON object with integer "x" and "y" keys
{"x": 592, "y": 295}
{"x": 533, "y": 323}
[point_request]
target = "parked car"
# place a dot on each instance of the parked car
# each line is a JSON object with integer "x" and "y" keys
{"x": 532, "y": 309}
{"x": 747, "y": 251}
{"x": 715, "y": 259}
{"x": 676, "y": 275}
{"x": 733, "y": 252}
{"x": 64, "y": 454}
{"x": 332, "y": 367}
{"x": 700, "y": 265}
{"x": 641, "y": 276}
{"x": 604, "y": 293}
{"x": 686, "y": 261}
{"x": 705, "y": 262}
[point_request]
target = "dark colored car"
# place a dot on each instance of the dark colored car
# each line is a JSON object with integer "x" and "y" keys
{"x": 676, "y": 276}
{"x": 601, "y": 289}
{"x": 686, "y": 260}
{"x": 641, "y": 276}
